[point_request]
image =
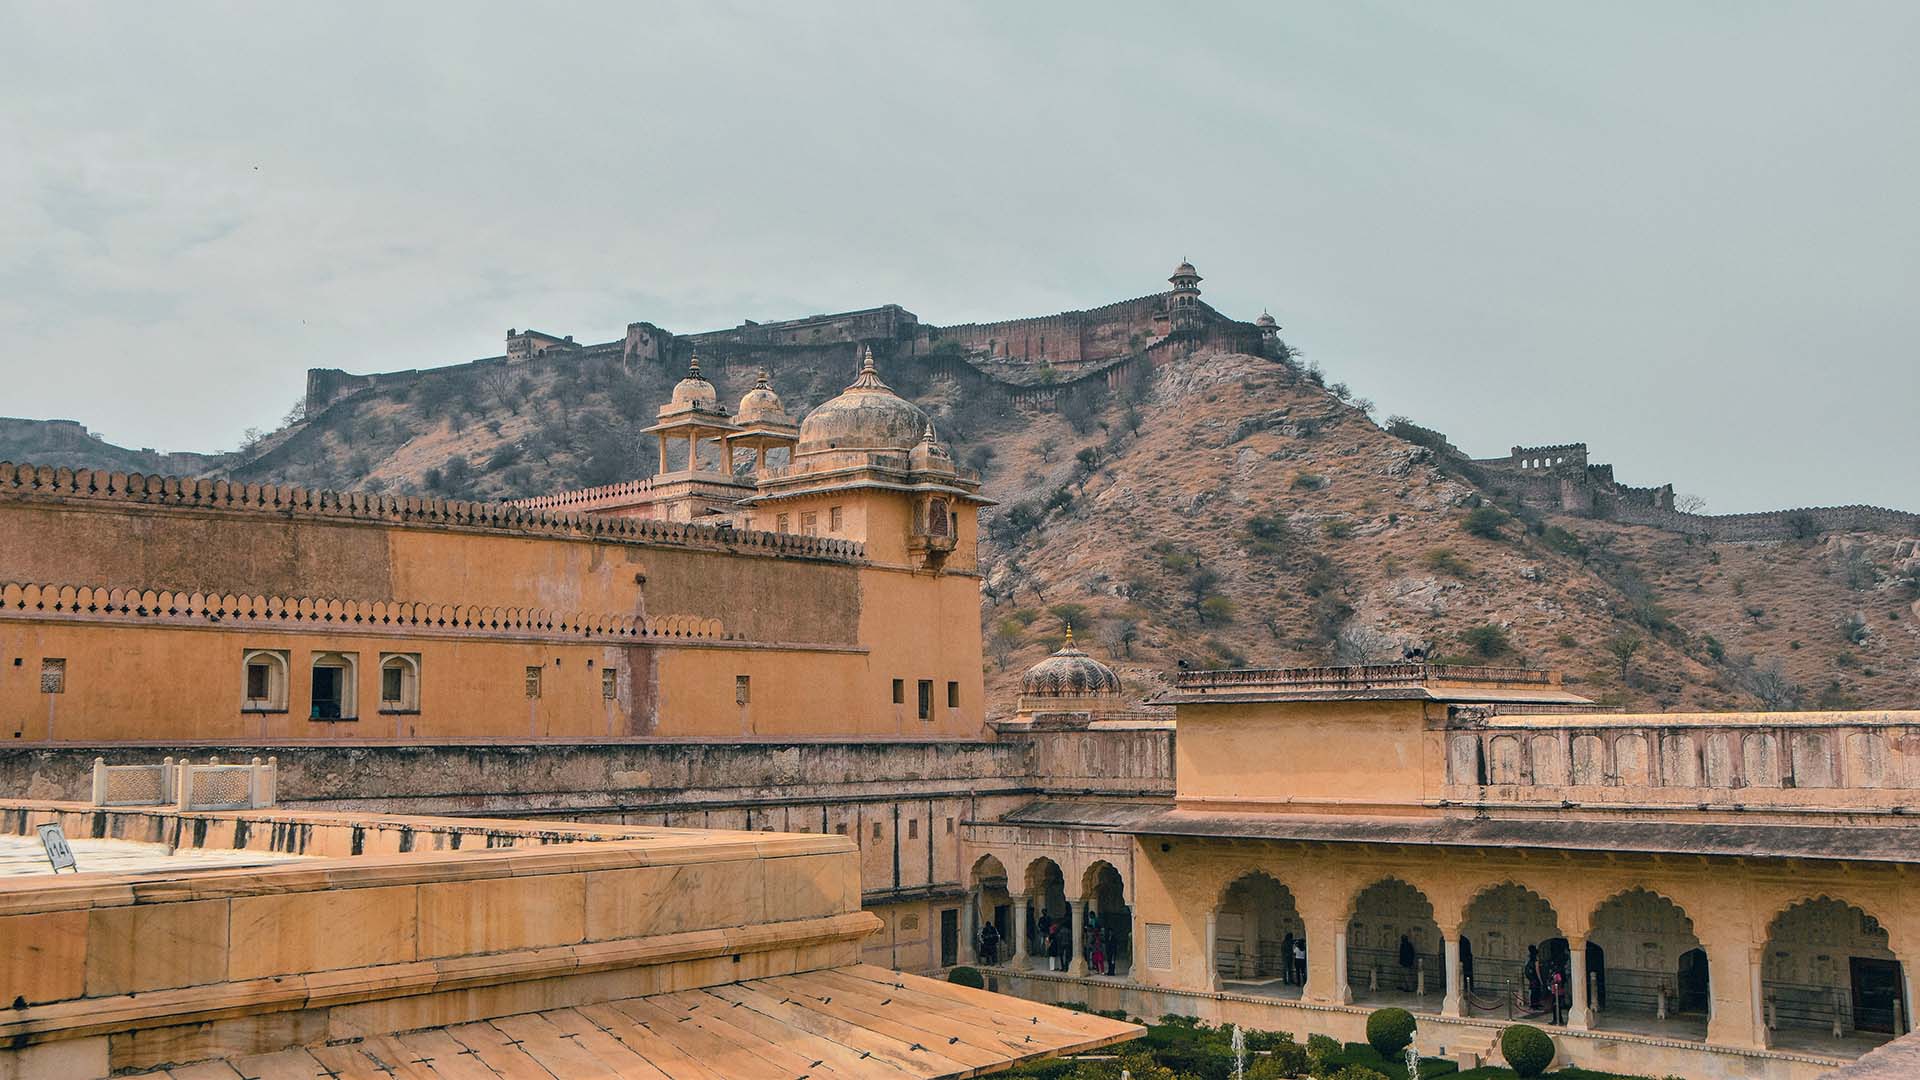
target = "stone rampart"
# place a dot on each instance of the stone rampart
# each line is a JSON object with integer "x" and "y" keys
{"x": 1799, "y": 524}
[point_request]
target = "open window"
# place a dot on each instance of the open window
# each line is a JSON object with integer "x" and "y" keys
{"x": 264, "y": 674}
{"x": 333, "y": 686}
{"x": 400, "y": 683}
{"x": 926, "y": 699}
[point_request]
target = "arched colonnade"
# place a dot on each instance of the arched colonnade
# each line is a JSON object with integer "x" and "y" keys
{"x": 1819, "y": 968}
{"x": 1076, "y": 919}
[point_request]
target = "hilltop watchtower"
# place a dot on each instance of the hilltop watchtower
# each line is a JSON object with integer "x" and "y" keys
{"x": 1184, "y": 305}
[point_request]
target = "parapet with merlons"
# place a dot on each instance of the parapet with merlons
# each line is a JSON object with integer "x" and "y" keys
{"x": 27, "y": 481}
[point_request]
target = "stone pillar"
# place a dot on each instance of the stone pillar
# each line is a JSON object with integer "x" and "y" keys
{"x": 1733, "y": 1016}
{"x": 1342, "y": 988}
{"x": 1761, "y": 1036}
{"x": 1577, "y": 957}
{"x": 1212, "y": 981}
{"x": 693, "y": 452}
{"x": 1077, "y": 911}
{"x": 970, "y": 929}
{"x": 1450, "y": 1005}
{"x": 1326, "y": 962}
{"x": 663, "y": 451}
{"x": 1019, "y": 959}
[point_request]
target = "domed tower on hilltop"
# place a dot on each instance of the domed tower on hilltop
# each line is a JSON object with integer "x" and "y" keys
{"x": 1184, "y": 303}
{"x": 868, "y": 467}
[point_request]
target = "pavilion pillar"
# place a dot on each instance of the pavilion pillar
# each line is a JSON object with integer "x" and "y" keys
{"x": 1326, "y": 962}
{"x": 1019, "y": 958}
{"x": 1577, "y": 1013}
{"x": 693, "y": 452}
{"x": 1450, "y": 1005}
{"x": 1211, "y": 959}
{"x": 1077, "y": 911}
{"x": 663, "y": 451}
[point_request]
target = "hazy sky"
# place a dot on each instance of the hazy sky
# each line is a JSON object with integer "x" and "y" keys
{"x": 1688, "y": 234}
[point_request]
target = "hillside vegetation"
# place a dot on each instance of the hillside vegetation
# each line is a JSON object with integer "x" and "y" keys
{"x": 1230, "y": 511}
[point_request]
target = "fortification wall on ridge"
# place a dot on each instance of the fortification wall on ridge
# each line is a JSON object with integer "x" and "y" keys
{"x": 1798, "y": 524}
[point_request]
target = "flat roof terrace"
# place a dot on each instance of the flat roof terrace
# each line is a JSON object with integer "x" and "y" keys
{"x": 435, "y": 928}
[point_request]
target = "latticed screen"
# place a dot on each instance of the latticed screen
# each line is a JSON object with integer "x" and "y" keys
{"x": 135, "y": 785}
{"x": 1160, "y": 946}
{"x": 221, "y": 787}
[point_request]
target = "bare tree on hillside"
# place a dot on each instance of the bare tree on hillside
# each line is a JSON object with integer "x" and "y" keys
{"x": 505, "y": 385}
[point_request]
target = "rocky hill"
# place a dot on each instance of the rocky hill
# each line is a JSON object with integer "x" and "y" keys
{"x": 1229, "y": 510}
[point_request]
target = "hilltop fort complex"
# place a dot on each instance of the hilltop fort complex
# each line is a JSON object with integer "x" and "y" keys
{"x": 778, "y": 633}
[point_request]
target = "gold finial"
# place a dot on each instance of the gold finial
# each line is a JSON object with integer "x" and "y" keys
{"x": 1069, "y": 635}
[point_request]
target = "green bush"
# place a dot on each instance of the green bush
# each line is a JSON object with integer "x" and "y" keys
{"x": 966, "y": 976}
{"x": 1389, "y": 1030}
{"x": 1285, "y": 1058}
{"x": 1320, "y": 1050}
{"x": 1485, "y": 523}
{"x": 1359, "y": 1072}
{"x": 1528, "y": 1050}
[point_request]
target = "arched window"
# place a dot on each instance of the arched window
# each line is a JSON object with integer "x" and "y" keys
{"x": 265, "y": 674}
{"x": 334, "y": 686}
{"x": 400, "y": 682}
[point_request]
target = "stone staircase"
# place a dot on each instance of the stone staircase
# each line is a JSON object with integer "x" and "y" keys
{"x": 1472, "y": 1049}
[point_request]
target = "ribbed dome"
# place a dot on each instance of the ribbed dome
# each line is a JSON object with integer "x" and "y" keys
{"x": 695, "y": 390}
{"x": 1265, "y": 320}
{"x": 868, "y": 415}
{"x": 761, "y": 404}
{"x": 1069, "y": 673}
{"x": 1185, "y": 269}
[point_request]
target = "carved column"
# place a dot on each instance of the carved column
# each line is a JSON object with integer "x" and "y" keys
{"x": 1019, "y": 959}
{"x": 1077, "y": 910}
{"x": 1450, "y": 1005}
{"x": 1577, "y": 958}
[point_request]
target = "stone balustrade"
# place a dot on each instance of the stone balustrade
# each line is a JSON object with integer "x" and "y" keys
{"x": 1721, "y": 760}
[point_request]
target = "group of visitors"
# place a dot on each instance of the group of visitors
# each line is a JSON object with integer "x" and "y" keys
{"x": 1054, "y": 937}
{"x": 1293, "y": 960}
{"x": 1548, "y": 984}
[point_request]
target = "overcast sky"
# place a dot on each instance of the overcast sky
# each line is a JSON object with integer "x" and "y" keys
{"x": 1688, "y": 235}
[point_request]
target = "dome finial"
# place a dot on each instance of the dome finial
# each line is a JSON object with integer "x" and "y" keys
{"x": 866, "y": 362}
{"x": 693, "y": 365}
{"x": 762, "y": 382}
{"x": 1069, "y": 635}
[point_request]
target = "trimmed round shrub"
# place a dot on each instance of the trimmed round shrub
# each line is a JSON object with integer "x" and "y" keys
{"x": 1528, "y": 1050}
{"x": 967, "y": 976}
{"x": 1389, "y": 1031}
